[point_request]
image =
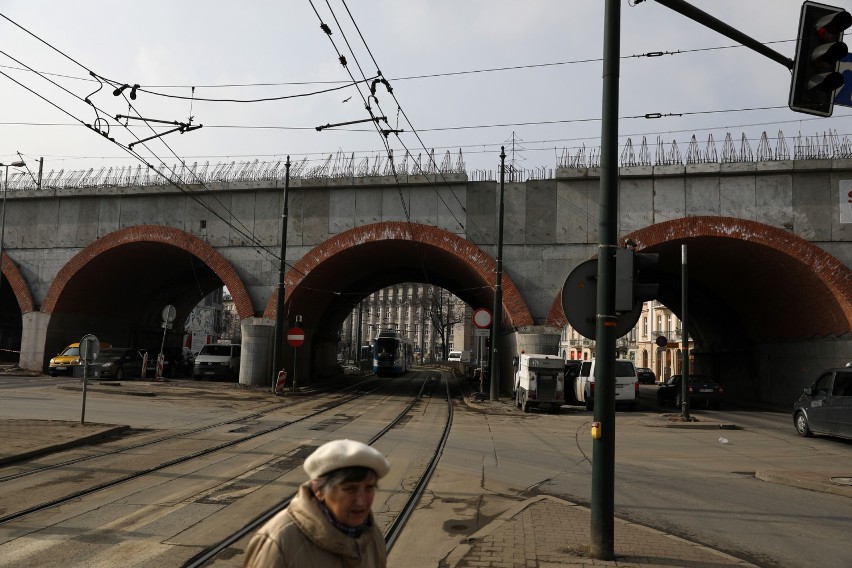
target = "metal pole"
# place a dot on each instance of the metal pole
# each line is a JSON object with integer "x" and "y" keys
{"x": 601, "y": 545}
{"x": 278, "y": 340}
{"x": 693, "y": 13}
{"x": 85, "y": 384}
{"x": 494, "y": 359}
{"x": 684, "y": 350}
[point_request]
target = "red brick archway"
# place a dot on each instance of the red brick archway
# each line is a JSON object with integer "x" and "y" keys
{"x": 156, "y": 234}
{"x": 814, "y": 263}
{"x": 14, "y": 279}
{"x": 481, "y": 264}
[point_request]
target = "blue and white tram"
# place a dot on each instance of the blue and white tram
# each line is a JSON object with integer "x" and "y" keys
{"x": 392, "y": 353}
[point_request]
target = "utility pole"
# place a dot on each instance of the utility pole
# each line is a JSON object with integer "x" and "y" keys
{"x": 278, "y": 340}
{"x": 684, "y": 352}
{"x": 602, "y": 541}
{"x": 494, "y": 359}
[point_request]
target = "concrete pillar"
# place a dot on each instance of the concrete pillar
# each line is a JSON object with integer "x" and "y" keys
{"x": 33, "y": 339}
{"x": 256, "y": 352}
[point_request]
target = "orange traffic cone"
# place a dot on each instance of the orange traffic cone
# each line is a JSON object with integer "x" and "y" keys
{"x": 279, "y": 383}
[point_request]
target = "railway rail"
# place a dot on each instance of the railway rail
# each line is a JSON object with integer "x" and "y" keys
{"x": 113, "y": 476}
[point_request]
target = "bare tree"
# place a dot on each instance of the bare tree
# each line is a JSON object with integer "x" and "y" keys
{"x": 445, "y": 311}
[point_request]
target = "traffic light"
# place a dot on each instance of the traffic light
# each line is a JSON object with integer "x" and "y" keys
{"x": 818, "y": 51}
{"x": 635, "y": 280}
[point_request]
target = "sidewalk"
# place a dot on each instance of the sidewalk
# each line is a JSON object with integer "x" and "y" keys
{"x": 543, "y": 531}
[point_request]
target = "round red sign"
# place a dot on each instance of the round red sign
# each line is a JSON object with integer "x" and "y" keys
{"x": 295, "y": 336}
{"x": 482, "y": 318}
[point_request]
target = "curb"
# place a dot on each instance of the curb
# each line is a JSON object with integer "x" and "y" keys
{"x": 48, "y": 448}
{"x": 95, "y": 388}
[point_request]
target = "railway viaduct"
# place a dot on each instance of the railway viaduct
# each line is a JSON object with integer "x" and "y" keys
{"x": 770, "y": 251}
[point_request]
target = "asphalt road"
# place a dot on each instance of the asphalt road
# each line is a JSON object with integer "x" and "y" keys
{"x": 699, "y": 484}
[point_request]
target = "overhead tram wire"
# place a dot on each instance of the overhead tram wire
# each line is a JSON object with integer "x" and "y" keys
{"x": 136, "y": 155}
{"x": 470, "y": 222}
{"x": 431, "y": 75}
{"x": 250, "y": 238}
{"x": 366, "y": 100}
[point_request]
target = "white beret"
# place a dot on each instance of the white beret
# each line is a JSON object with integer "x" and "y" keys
{"x": 345, "y": 453}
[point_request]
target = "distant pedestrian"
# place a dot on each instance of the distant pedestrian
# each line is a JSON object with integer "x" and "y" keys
{"x": 330, "y": 521}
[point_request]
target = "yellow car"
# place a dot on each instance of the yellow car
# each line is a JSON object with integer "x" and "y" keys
{"x": 64, "y": 362}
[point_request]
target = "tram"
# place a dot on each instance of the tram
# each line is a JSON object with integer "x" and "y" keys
{"x": 392, "y": 353}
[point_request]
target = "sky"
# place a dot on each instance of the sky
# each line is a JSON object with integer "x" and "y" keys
{"x": 467, "y": 77}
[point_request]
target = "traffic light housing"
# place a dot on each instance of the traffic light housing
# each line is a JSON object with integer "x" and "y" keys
{"x": 819, "y": 49}
{"x": 635, "y": 278}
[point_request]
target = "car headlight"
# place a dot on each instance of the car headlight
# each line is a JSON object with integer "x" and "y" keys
{"x": 107, "y": 365}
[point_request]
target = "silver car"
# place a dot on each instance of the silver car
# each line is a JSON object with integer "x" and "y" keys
{"x": 826, "y": 406}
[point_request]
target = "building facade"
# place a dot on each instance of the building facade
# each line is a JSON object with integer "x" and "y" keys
{"x": 642, "y": 344}
{"x": 421, "y": 312}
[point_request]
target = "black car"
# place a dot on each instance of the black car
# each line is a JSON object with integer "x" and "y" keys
{"x": 119, "y": 363}
{"x": 703, "y": 391}
{"x": 646, "y": 376}
{"x": 826, "y": 406}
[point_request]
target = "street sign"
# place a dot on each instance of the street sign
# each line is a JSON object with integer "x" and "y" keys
{"x": 843, "y": 96}
{"x": 481, "y": 332}
{"x": 169, "y": 313}
{"x": 661, "y": 341}
{"x": 295, "y": 336}
{"x": 89, "y": 348}
{"x": 580, "y": 298}
{"x": 482, "y": 318}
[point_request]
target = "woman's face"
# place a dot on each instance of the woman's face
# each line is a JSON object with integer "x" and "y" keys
{"x": 350, "y": 502}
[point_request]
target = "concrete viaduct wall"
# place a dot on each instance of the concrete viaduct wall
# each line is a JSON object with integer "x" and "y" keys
{"x": 550, "y": 227}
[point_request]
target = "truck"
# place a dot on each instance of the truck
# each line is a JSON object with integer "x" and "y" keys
{"x": 539, "y": 381}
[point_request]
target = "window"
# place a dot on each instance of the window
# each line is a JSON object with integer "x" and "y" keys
{"x": 842, "y": 384}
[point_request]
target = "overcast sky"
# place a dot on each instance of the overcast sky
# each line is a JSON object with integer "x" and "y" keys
{"x": 468, "y": 75}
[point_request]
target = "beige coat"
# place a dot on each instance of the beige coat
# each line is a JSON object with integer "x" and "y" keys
{"x": 301, "y": 536}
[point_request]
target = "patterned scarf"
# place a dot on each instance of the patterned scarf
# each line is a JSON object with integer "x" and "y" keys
{"x": 348, "y": 531}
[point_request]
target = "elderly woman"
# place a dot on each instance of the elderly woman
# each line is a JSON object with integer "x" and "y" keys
{"x": 329, "y": 522}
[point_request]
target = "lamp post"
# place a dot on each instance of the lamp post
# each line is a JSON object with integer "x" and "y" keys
{"x": 17, "y": 164}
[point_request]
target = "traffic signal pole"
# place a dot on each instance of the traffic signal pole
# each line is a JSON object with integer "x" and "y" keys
{"x": 693, "y": 13}
{"x": 602, "y": 538}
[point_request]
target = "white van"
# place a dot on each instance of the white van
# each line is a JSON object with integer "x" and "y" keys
{"x": 626, "y": 384}
{"x": 217, "y": 361}
{"x": 461, "y": 356}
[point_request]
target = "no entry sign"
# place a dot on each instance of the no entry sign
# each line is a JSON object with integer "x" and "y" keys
{"x": 295, "y": 336}
{"x": 482, "y": 318}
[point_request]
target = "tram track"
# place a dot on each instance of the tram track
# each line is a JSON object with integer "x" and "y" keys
{"x": 257, "y": 432}
{"x": 226, "y": 546}
{"x": 184, "y": 434}
{"x": 182, "y": 507}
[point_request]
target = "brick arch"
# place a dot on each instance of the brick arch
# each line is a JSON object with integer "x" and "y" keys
{"x": 449, "y": 243}
{"x": 13, "y": 277}
{"x": 156, "y": 234}
{"x": 833, "y": 273}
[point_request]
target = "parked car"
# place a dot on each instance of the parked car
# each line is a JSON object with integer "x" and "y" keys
{"x": 703, "y": 391}
{"x": 119, "y": 363}
{"x": 626, "y": 384}
{"x": 217, "y": 361}
{"x": 65, "y": 360}
{"x": 646, "y": 376}
{"x": 826, "y": 406}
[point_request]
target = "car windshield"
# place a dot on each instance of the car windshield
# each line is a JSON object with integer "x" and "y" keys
{"x": 110, "y": 353}
{"x": 623, "y": 369}
{"x": 71, "y": 352}
{"x": 218, "y": 350}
